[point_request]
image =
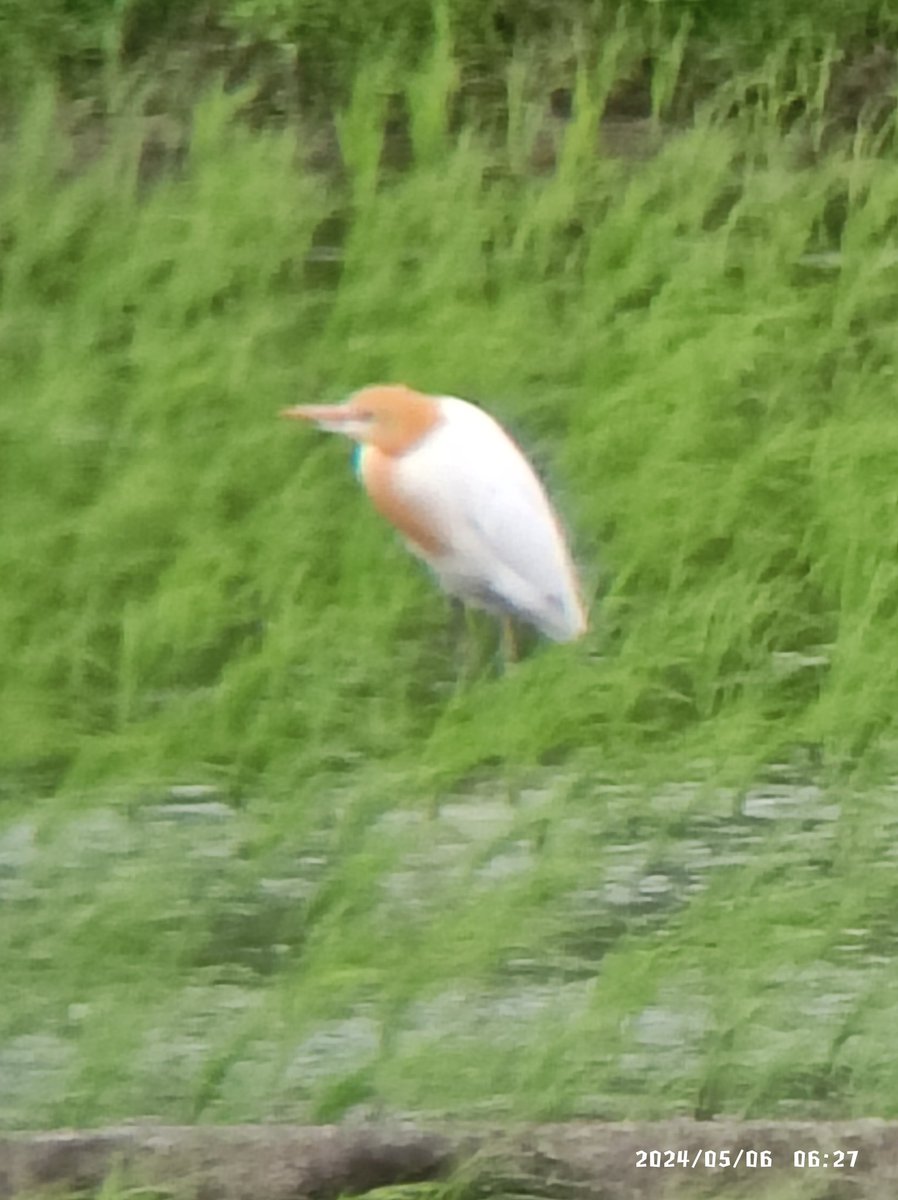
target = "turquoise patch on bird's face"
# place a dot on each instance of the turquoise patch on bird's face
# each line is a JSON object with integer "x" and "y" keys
{"x": 357, "y": 460}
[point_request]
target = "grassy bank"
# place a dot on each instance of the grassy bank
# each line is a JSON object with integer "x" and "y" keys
{"x": 696, "y": 348}
{"x": 396, "y": 895}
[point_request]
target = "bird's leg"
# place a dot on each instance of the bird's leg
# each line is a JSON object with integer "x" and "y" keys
{"x": 456, "y": 619}
{"x": 463, "y": 638}
{"x": 471, "y": 656}
{"x": 509, "y": 650}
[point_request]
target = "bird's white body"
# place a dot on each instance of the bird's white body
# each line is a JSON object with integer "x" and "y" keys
{"x": 496, "y": 542}
{"x": 466, "y": 500}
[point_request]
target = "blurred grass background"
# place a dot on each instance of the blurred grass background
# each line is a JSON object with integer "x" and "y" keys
{"x": 560, "y": 892}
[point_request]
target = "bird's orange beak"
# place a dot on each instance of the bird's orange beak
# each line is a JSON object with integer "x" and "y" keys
{"x": 318, "y": 412}
{"x": 334, "y": 418}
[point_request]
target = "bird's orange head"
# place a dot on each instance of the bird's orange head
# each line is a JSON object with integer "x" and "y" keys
{"x": 391, "y": 417}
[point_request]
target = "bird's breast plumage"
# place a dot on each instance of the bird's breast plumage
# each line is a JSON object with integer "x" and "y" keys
{"x": 381, "y": 475}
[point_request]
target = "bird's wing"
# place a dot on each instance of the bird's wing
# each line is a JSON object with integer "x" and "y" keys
{"x": 504, "y": 544}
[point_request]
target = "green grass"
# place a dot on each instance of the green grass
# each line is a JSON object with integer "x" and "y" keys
{"x": 538, "y": 896}
{"x": 189, "y": 581}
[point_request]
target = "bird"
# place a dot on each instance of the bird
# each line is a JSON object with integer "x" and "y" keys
{"x": 466, "y": 500}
